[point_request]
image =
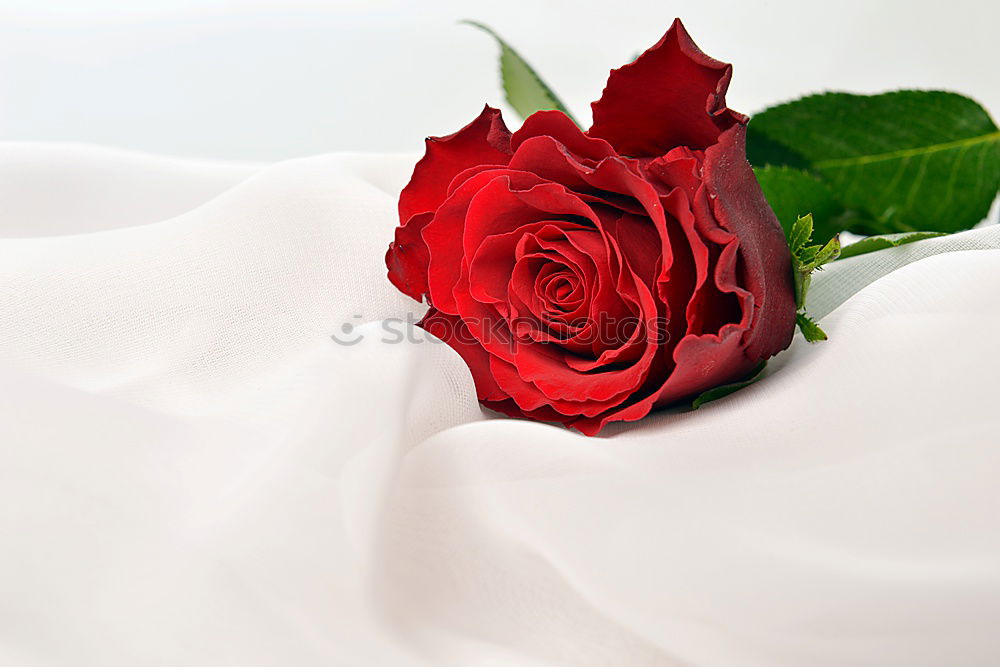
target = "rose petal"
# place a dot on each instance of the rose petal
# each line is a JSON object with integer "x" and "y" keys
{"x": 452, "y": 330}
{"x": 407, "y": 257}
{"x": 493, "y": 262}
{"x": 510, "y": 203}
{"x": 701, "y": 362}
{"x": 731, "y": 211}
{"x": 559, "y": 127}
{"x": 444, "y": 233}
{"x": 542, "y": 414}
{"x": 719, "y": 301}
{"x": 739, "y": 207}
{"x": 681, "y": 168}
{"x": 672, "y": 95}
{"x": 486, "y": 140}
{"x": 529, "y": 397}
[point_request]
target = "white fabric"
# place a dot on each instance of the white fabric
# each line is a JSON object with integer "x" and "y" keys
{"x": 193, "y": 473}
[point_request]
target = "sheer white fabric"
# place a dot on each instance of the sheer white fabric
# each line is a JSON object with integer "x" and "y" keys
{"x": 193, "y": 472}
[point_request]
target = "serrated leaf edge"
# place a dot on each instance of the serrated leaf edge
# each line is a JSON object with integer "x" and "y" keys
{"x": 557, "y": 104}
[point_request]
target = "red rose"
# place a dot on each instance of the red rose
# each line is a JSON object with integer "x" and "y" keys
{"x": 589, "y": 277}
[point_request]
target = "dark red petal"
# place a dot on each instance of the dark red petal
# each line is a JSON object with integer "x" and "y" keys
{"x": 672, "y": 95}
{"x": 688, "y": 268}
{"x": 718, "y": 301}
{"x": 760, "y": 278}
{"x": 486, "y": 140}
{"x": 740, "y": 207}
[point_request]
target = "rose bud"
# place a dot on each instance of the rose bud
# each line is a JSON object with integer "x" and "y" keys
{"x": 591, "y": 277}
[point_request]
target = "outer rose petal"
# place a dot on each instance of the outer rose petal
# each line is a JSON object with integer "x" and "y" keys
{"x": 511, "y": 409}
{"x": 486, "y": 140}
{"x": 452, "y": 330}
{"x": 672, "y": 95}
{"x": 407, "y": 257}
{"x": 740, "y": 207}
{"x": 708, "y": 360}
{"x": 702, "y": 362}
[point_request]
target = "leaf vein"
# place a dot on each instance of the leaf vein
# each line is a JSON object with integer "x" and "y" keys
{"x": 908, "y": 152}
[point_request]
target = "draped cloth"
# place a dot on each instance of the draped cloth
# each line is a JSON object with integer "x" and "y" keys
{"x": 194, "y": 471}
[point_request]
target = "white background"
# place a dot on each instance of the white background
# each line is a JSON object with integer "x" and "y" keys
{"x": 264, "y": 80}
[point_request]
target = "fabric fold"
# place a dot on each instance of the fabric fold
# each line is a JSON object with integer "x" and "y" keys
{"x": 223, "y": 440}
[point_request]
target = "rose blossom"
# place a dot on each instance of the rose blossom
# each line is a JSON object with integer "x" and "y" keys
{"x": 590, "y": 277}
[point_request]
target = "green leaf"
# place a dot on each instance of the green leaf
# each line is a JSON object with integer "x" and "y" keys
{"x": 810, "y": 330}
{"x": 792, "y": 192}
{"x": 805, "y": 260}
{"x": 801, "y": 280}
{"x": 716, "y": 393}
{"x": 873, "y": 243}
{"x": 802, "y": 230}
{"x": 901, "y": 161}
{"x": 525, "y": 90}
{"x": 818, "y": 256}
